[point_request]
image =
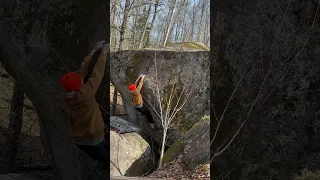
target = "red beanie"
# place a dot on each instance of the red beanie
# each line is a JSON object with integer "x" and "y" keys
{"x": 71, "y": 81}
{"x": 132, "y": 87}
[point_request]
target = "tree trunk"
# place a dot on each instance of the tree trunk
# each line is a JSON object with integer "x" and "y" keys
{"x": 114, "y": 30}
{"x": 164, "y": 137}
{"x": 122, "y": 32}
{"x": 145, "y": 27}
{"x": 114, "y": 102}
{"x": 124, "y": 23}
{"x": 34, "y": 52}
{"x": 152, "y": 22}
{"x": 176, "y": 35}
{"x": 135, "y": 29}
{"x": 183, "y": 33}
{"x": 174, "y": 23}
{"x": 169, "y": 23}
{"x": 193, "y": 20}
{"x": 201, "y": 20}
{"x": 14, "y": 128}
{"x": 206, "y": 29}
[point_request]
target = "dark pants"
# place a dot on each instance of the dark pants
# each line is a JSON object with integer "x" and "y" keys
{"x": 98, "y": 152}
{"x": 146, "y": 112}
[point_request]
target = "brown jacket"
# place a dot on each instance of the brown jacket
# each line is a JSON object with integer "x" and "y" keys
{"x": 136, "y": 96}
{"x": 86, "y": 122}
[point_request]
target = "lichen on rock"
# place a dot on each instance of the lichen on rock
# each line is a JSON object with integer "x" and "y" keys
{"x": 193, "y": 146}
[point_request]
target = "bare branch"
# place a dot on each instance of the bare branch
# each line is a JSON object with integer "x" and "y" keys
{"x": 225, "y": 109}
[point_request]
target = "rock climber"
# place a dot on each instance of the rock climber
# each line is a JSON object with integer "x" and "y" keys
{"x": 137, "y": 101}
{"x": 86, "y": 125}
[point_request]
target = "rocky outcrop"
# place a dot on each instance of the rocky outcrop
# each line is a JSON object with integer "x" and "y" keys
{"x": 273, "y": 45}
{"x": 193, "y": 147}
{"x": 185, "y": 70}
{"x": 130, "y": 155}
{"x": 37, "y": 39}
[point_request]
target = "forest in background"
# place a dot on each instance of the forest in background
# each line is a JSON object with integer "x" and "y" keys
{"x": 137, "y": 24}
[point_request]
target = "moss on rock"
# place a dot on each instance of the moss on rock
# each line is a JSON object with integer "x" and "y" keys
{"x": 178, "y": 147}
{"x": 308, "y": 175}
{"x": 173, "y": 151}
{"x": 132, "y": 72}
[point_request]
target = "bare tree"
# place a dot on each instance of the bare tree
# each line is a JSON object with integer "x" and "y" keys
{"x": 184, "y": 27}
{"x": 114, "y": 28}
{"x": 122, "y": 32}
{"x": 171, "y": 10}
{"x": 168, "y": 107}
{"x": 201, "y": 21}
{"x": 153, "y": 19}
{"x": 145, "y": 26}
{"x": 124, "y": 22}
{"x": 206, "y": 27}
{"x": 193, "y": 20}
{"x": 159, "y": 27}
{"x": 14, "y": 127}
{"x": 135, "y": 19}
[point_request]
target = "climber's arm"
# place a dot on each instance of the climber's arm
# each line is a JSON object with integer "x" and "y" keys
{"x": 139, "y": 86}
{"x": 136, "y": 82}
{"x": 85, "y": 64}
{"x": 93, "y": 83}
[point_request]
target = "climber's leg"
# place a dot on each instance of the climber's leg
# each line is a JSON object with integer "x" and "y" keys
{"x": 146, "y": 112}
{"x": 97, "y": 152}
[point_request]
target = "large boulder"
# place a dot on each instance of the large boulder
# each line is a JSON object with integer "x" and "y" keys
{"x": 193, "y": 147}
{"x": 273, "y": 45}
{"x": 38, "y": 40}
{"x": 130, "y": 155}
{"x": 185, "y": 70}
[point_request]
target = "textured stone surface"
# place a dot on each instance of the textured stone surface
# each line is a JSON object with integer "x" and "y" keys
{"x": 16, "y": 176}
{"x": 189, "y": 70}
{"x": 282, "y": 133}
{"x": 130, "y": 155}
{"x": 193, "y": 147}
{"x": 37, "y": 39}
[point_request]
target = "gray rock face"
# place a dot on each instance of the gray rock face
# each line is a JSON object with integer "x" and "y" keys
{"x": 186, "y": 70}
{"x": 130, "y": 155}
{"x": 197, "y": 149}
{"x": 16, "y": 176}
{"x": 193, "y": 147}
{"x": 37, "y": 39}
{"x": 281, "y": 136}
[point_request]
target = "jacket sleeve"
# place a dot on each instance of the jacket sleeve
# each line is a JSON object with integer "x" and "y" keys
{"x": 137, "y": 81}
{"x": 83, "y": 71}
{"x": 93, "y": 83}
{"x": 139, "y": 86}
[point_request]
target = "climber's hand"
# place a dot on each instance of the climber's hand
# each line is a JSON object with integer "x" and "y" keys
{"x": 105, "y": 48}
{"x": 99, "y": 45}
